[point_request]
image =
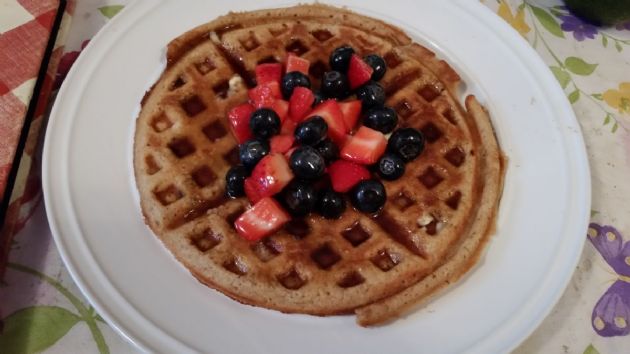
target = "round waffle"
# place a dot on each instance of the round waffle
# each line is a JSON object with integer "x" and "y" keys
{"x": 431, "y": 230}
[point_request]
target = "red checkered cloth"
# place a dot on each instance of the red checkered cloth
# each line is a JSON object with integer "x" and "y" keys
{"x": 25, "y": 27}
{"x": 25, "y": 33}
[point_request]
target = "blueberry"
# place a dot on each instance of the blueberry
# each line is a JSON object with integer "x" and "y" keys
{"x": 378, "y": 65}
{"x": 406, "y": 142}
{"x": 340, "y": 58}
{"x": 391, "y": 166}
{"x": 371, "y": 94}
{"x": 307, "y": 163}
{"x": 335, "y": 85}
{"x": 328, "y": 150}
{"x": 319, "y": 98}
{"x": 383, "y": 119}
{"x": 311, "y": 131}
{"x": 299, "y": 198}
{"x": 331, "y": 204}
{"x": 368, "y": 196}
{"x": 251, "y": 151}
{"x": 234, "y": 179}
{"x": 264, "y": 123}
{"x": 291, "y": 80}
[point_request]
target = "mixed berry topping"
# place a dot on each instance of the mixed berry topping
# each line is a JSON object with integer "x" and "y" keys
{"x": 303, "y": 151}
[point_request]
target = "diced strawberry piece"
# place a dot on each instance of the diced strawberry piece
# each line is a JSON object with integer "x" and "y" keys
{"x": 300, "y": 103}
{"x": 281, "y": 143}
{"x": 264, "y": 218}
{"x": 329, "y": 110}
{"x": 268, "y": 72}
{"x": 269, "y": 176}
{"x": 351, "y": 111}
{"x": 265, "y": 94}
{"x": 365, "y": 147}
{"x": 295, "y": 63}
{"x": 345, "y": 174}
{"x": 239, "y": 122}
{"x": 288, "y": 127}
{"x": 251, "y": 190}
{"x": 359, "y": 72}
{"x": 281, "y": 107}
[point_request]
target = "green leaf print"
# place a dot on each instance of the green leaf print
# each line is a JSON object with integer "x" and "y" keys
{"x": 618, "y": 47}
{"x": 614, "y": 128}
{"x": 561, "y": 75}
{"x": 590, "y": 350}
{"x": 574, "y": 96}
{"x": 607, "y": 119}
{"x": 85, "y": 314}
{"x": 33, "y": 329}
{"x": 578, "y": 66}
{"x": 111, "y": 10}
{"x": 604, "y": 41}
{"x": 547, "y": 21}
{"x": 597, "y": 96}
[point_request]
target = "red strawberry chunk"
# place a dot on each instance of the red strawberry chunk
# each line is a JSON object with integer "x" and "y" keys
{"x": 295, "y": 63}
{"x": 365, "y": 147}
{"x": 281, "y": 107}
{"x": 281, "y": 143}
{"x": 288, "y": 127}
{"x": 251, "y": 190}
{"x": 264, "y": 218}
{"x": 300, "y": 103}
{"x": 329, "y": 110}
{"x": 268, "y": 72}
{"x": 265, "y": 94}
{"x": 359, "y": 72}
{"x": 239, "y": 122}
{"x": 344, "y": 175}
{"x": 270, "y": 175}
{"x": 351, "y": 111}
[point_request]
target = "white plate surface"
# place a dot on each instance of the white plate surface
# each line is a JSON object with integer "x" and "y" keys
{"x": 150, "y": 299}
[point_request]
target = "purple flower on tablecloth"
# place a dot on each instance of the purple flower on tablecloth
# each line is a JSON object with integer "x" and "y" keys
{"x": 611, "y": 315}
{"x": 580, "y": 29}
{"x": 623, "y": 26}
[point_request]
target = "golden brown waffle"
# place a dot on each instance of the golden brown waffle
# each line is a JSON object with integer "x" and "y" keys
{"x": 434, "y": 224}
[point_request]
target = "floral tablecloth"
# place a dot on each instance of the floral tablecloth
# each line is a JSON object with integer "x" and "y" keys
{"x": 43, "y": 310}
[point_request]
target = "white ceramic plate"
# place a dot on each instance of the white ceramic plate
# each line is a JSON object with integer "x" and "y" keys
{"x": 150, "y": 299}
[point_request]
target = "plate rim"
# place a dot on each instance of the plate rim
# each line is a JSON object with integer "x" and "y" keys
{"x": 124, "y": 330}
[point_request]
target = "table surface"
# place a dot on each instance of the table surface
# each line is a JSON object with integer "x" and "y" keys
{"x": 43, "y": 310}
